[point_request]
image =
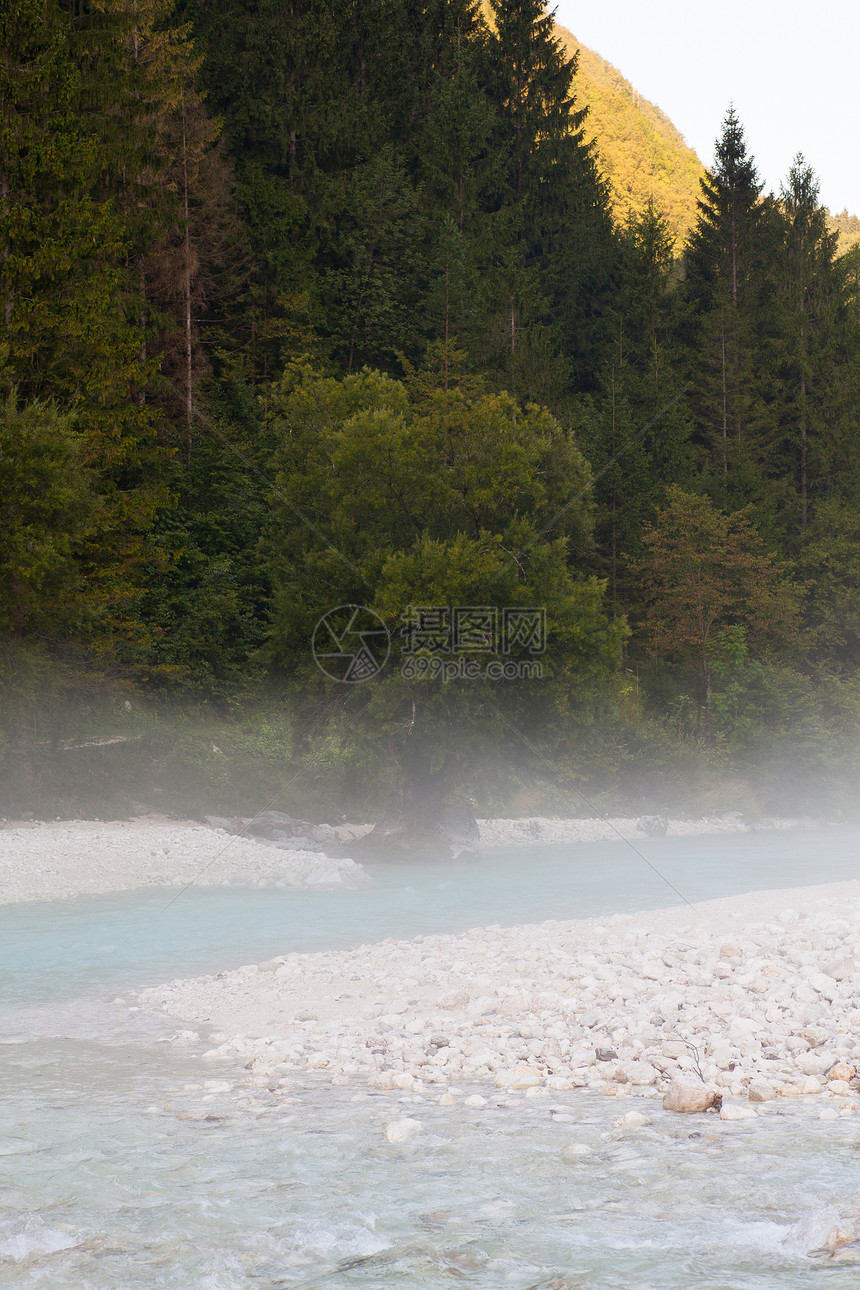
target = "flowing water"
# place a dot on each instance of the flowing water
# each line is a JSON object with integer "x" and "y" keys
{"x": 127, "y": 1162}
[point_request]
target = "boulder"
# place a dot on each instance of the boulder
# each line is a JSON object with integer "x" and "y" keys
{"x": 631, "y": 1120}
{"x": 760, "y": 1091}
{"x": 405, "y": 1130}
{"x": 519, "y": 1077}
{"x": 654, "y": 826}
{"x": 737, "y": 1113}
{"x": 688, "y": 1095}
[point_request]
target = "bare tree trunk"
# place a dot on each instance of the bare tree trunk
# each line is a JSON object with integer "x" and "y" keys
{"x": 614, "y": 507}
{"x": 186, "y": 286}
{"x": 804, "y": 497}
{"x": 725, "y": 406}
{"x": 4, "y": 208}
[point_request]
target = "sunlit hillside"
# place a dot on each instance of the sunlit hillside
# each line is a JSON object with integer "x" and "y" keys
{"x": 642, "y": 154}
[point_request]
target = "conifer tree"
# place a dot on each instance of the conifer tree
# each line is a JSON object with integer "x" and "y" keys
{"x": 636, "y": 431}
{"x": 77, "y": 157}
{"x": 555, "y": 254}
{"x": 813, "y": 328}
{"x": 730, "y": 264}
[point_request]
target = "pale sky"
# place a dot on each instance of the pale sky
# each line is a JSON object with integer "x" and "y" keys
{"x": 790, "y": 68}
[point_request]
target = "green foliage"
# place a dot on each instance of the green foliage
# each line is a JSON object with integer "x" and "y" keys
{"x": 394, "y": 499}
{"x": 457, "y": 236}
{"x": 47, "y": 510}
{"x": 644, "y": 158}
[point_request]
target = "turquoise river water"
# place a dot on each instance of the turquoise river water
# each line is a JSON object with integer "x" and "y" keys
{"x": 104, "y": 1185}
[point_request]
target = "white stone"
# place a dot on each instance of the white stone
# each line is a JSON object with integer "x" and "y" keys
{"x": 475, "y": 1100}
{"x": 732, "y": 1112}
{"x": 631, "y": 1120}
{"x": 519, "y": 1077}
{"x": 839, "y": 1086}
{"x": 454, "y": 999}
{"x": 403, "y": 1130}
{"x": 824, "y": 985}
{"x": 761, "y": 1091}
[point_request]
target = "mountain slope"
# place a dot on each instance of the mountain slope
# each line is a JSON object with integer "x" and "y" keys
{"x": 641, "y": 153}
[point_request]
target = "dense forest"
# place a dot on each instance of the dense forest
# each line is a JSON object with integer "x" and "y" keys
{"x": 307, "y": 305}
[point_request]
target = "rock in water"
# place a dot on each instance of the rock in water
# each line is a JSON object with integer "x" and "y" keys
{"x": 632, "y": 1120}
{"x": 688, "y": 1095}
{"x": 403, "y": 1130}
{"x": 737, "y": 1113}
{"x": 760, "y": 1091}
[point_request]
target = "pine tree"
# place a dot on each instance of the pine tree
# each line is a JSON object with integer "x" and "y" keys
{"x": 77, "y": 156}
{"x": 814, "y": 325}
{"x": 554, "y": 252}
{"x": 453, "y": 168}
{"x": 636, "y": 431}
{"x": 730, "y": 270}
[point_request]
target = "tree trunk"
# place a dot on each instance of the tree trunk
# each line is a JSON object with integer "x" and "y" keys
{"x": 186, "y": 286}
{"x": 417, "y": 823}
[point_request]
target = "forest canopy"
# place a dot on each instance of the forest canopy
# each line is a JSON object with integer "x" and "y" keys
{"x": 313, "y": 306}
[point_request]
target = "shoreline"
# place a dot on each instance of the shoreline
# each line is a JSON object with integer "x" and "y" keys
{"x": 57, "y": 860}
{"x": 64, "y": 859}
{"x": 754, "y": 997}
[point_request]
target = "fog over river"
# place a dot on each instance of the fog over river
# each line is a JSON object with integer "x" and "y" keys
{"x": 127, "y": 1159}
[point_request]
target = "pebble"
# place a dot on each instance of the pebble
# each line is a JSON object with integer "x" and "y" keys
{"x": 630, "y": 1007}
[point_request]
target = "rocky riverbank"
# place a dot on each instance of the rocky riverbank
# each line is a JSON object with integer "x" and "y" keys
{"x": 53, "y": 861}
{"x": 751, "y": 998}
{"x": 545, "y": 829}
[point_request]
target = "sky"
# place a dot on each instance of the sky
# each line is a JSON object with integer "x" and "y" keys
{"x": 790, "y": 69}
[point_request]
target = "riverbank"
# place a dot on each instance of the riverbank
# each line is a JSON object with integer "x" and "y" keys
{"x": 756, "y": 996}
{"x": 546, "y": 829}
{"x": 56, "y": 860}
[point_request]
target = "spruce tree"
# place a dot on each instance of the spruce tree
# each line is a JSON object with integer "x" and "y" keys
{"x": 730, "y": 270}
{"x": 555, "y": 252}
{"x": 636, "y": 430}
{"x": 813, "y": 327}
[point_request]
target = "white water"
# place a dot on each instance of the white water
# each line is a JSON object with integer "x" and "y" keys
{"x": 103, "y": 1187}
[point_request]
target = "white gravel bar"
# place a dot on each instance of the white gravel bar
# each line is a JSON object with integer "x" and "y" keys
{"x": 758, "y": 996}
{"x": 548, "y": 829}
{"x": 52, "y": 861}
